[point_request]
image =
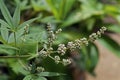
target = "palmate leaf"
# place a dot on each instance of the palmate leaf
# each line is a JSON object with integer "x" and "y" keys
{"x": 16, "y": 16}
{"x": 6, "y": 13}
{"x": 19, "y": 33}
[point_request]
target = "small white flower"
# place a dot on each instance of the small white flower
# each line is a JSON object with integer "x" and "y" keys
{"x": 57, "y": 59}
{"x": 66, "y": 62}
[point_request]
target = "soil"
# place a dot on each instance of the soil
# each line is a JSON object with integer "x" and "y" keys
{"x": 108, "y": 67}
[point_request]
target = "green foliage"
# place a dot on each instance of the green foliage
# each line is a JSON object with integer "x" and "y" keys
{"x": 78, "y": 18}
{"x": 89, "y": 59}
{"x": 31, "y": 77}
{"x": 108, "y": 43}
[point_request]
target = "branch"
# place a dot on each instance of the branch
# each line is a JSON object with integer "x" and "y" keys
{"x": 23, "y": 56}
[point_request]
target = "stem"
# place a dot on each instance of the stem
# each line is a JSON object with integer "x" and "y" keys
{"x": 23, "y": 56}
{"x": 53, "y": 58}
{"x": 15, "y": 38}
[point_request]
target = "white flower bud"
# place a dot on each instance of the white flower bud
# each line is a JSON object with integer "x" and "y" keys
{"x": 98, "y": 33}
{"x": 58, "y": 31}
{"x": 66, "y": 62}
{"x": 71, "y": 46}
{"x": 43, "y": 53}
{"x": 40, "y": 69}
{"x": 61, "y": 49}
{"x": 57, "y": 59}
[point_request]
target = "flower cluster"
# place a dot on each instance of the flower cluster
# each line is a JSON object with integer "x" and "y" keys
{"x": 26, "y": 29}
{"x": 43, "y": 53}
{"x": 79, "y": 42}
{"x": 95, "y": 36}
{"x": 71, "y": 46}
{"x": 40, "y": 69}
{"x": 64, "y": 61}
{"x": 51, "y": 34}
{"x": 62, "y": 48}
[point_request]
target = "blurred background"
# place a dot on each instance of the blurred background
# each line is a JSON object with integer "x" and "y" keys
{"x": 78, "y": 18}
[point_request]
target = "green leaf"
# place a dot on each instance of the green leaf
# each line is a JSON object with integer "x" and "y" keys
{"x": 11, "y": 38}
{"x": 1, "y": 39}
{"x": 5, "y": 49}
{"x": 23, "y": 4}
{"x": 89, "y": 58}
{"x": 90, "y": 23}
{"x": 110, "y": 44}
{"x": 16, "y": 16}
{"x": 28, "y": 77}
{"x": 40, "y": 5}
{"x": 27, "y": 22}
{"x": 4, "y": 32}
{"x": 114, "y": 28}
{"x": 88, "y": 9}
{"x": 19, "y": 33}
{"x": 6, "y": 13}
{"x": 50, "y": 74}
{"x": 28, "y": 47}
{"x": 50, "y": 19}
{"x": 53, "y": 8}
{"x": 40, "y": 78}
{"x": 93, "y": 58}
{"x": 8, "y": 47}
{"x": 61, "y": 9}
{"x": 18, "y": 66}
{"x": 32, "y": 77}
{"x": 67, "y": 7}
{"x": 74, "y": 17}
{"x": 5, "y": 24}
